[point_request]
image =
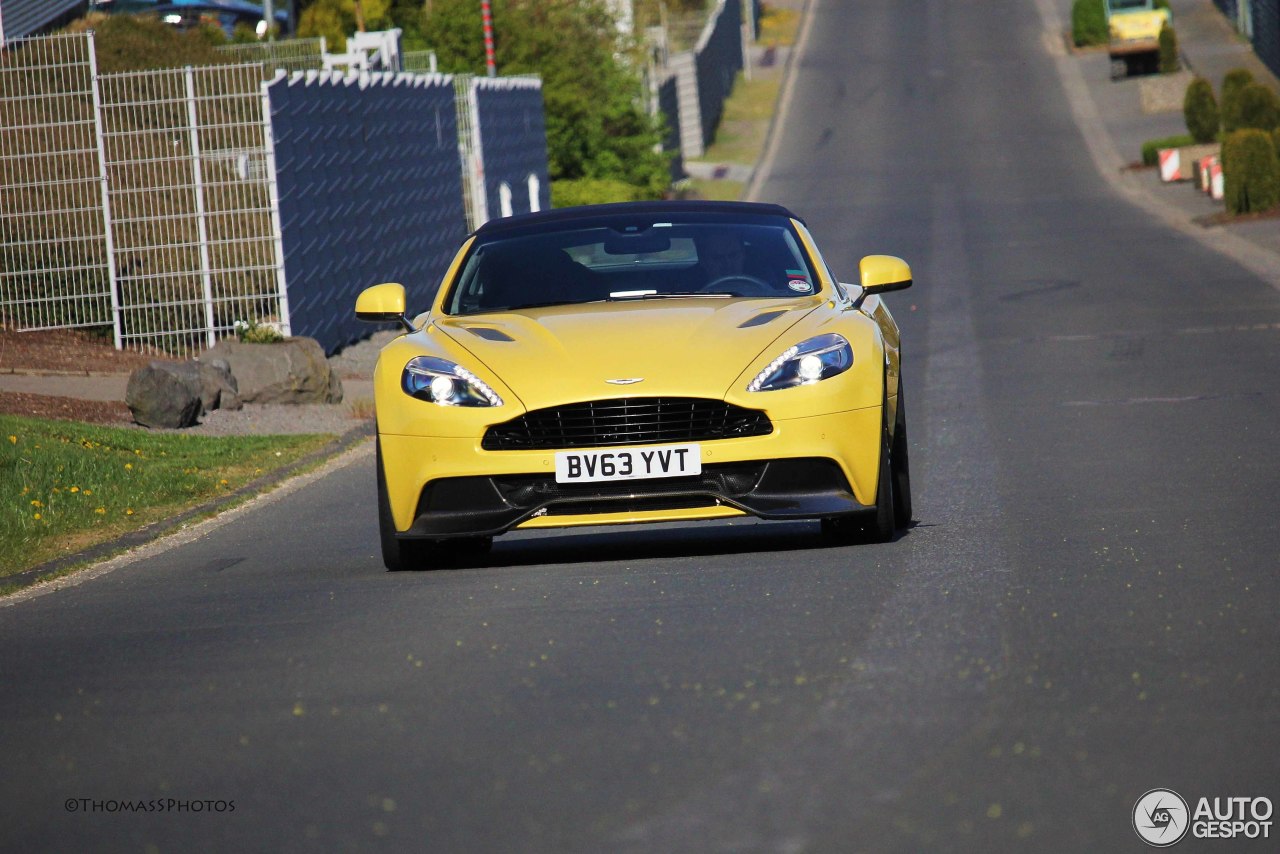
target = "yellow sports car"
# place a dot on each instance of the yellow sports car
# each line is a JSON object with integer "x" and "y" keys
{"x": 643, "y": 362}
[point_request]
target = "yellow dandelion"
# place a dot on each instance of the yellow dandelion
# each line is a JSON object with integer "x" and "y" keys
{"x": 138, "y": 451}
{"x": 36, "y": 502}
{"x": 25, "y": 490}
{"x": 128, "y": 511}
{"x": 128, "y": 466}
{"x": 13, "y": 440}
{"x": 88, "y": 492}
{"x": 75, "y": 489}
{"x": 37, "y": 516}
{"x": 223, "y": 482}
{"x": 101, "y": 511}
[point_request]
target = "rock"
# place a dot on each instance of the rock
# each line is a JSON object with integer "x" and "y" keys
{"x": 292, "y": 371}
{"x": 164, "y": 394}
{"x": 161, "y": 394}
{"x": 218, "y": 387}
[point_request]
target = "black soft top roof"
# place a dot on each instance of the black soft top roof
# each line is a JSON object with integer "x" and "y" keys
{"x": 622, "y": 211}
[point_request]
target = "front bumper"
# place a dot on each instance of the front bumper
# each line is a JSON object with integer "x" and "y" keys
{"x": 806, "y": 468}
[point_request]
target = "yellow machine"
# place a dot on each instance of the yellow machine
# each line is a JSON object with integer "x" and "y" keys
{"x": 1134, "y": 27}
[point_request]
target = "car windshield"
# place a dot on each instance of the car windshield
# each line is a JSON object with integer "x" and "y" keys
{"x": 654, "y": 261}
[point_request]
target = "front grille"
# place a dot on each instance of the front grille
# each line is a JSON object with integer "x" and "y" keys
{"x": 627, "y": 421}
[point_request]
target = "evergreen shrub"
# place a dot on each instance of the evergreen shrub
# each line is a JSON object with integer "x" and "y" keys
{"x": 1200, "y": 110}
{"x": 1250, "y": 171}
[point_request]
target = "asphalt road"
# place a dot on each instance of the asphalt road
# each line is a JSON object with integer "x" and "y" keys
{"x": 1085, "y": 610}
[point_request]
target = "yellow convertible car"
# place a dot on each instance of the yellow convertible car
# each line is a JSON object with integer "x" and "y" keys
{"x": 642, "y": 362}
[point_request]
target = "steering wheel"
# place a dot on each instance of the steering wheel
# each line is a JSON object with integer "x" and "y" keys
{"x": 760, "y": 285}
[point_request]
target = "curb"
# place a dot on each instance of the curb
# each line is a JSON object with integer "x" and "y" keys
{"x": 156, "y": 530}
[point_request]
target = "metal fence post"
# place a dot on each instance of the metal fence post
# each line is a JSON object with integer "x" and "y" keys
{"x": 106, "y": 195}
{"x": 202, "y": 225}
{"x": 273, "y": 191}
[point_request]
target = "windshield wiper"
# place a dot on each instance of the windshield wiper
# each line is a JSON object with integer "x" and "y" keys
{"x": 630, "y": 295}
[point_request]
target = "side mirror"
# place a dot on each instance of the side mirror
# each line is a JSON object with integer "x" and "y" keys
{"x": 883, "y": 273}
{"x": 383, "y": 304}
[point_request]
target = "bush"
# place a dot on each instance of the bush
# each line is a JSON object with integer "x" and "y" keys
{"x": 1151, "y": 148}
{"x": 1232, "y": 85}
{"x": 593, "y": 191}
{"x": 1250, "y": 171}
{"x": 1089, "y": 23}
{"x": 1259, "y": 108}
{"x": 1168, "y": 50}
{"x": 1200, "y": 110}
{"x": 139, "y": 43}
{"x": 1275, "y": 137}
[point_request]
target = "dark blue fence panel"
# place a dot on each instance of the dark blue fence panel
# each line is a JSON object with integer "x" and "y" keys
{"x": 719, "y": 62}
{"x": 513, "y": 139}
{"x": 669, "y": 110}
{"x": 1266, "y": 32}
{"x": 370, "y": 191}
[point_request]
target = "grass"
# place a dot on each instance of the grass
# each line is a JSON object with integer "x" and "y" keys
{"x": 65, "y": 486}
{"x": 778, "y": 26}
{"x": 716, "y": 190}
{"x": 745, "y": 121}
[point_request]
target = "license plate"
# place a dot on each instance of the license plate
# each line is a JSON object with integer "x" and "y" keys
{"x": 632, "y": 464}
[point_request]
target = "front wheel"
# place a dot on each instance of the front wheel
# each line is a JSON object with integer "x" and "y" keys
{"x": 900, "y": 465}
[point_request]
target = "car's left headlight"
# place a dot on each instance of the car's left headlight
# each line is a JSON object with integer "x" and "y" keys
{"x": 805, "y": 363}
{"x": 446, "y": 383}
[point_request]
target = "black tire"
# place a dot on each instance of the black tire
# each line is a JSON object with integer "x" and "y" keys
{"x": 879, "y": 525}
{"x": 900, "y": 464}
{"x": 397, "y": 554}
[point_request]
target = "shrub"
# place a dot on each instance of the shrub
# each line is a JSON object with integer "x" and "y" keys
{"x": 1259, "y": 108}
{"x": 1232, "y": 85}
{"x": 593, "y": 191}
{"x": 1168, "y": 50}
{"x": 1275, "y": 137}
{"x": 1250, "y": 171}
{"x": 1088, "y": 23}
{"x": 1200, "y": 110}
{"x": 1151, "y": 148}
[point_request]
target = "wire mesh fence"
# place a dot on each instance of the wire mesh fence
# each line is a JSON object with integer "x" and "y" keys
{"x": 289, "y": 55}
{"x": 138, "y": 201}
{"x": 54, "y": 240}
{"x": 188, "y": 167}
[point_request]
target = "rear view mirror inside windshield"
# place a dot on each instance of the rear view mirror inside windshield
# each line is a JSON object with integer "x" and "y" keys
{"x": 636, "y": 244}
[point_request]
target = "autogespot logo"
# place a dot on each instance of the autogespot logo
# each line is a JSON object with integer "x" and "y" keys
{"x": 1160, "y": 817}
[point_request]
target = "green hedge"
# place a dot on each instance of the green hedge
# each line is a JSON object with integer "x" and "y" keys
{"x": 593, "y": 191}
{"x": 1200, "y": 111}
{"x": 1151, "y": 148}
{"x": 1168, "y": 50}
{"x": 1259, "y": 108}
{"x": 1232, "y": 86}
{"x": 1089, "y": 23}
{"x": 1250, "y": 171}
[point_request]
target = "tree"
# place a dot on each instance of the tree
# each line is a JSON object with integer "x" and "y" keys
{"x": 596, "y": 125}
{"x": 336, "y": 19}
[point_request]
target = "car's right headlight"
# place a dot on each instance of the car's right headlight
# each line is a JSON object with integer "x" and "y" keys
{"x": 446, "y": 383}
